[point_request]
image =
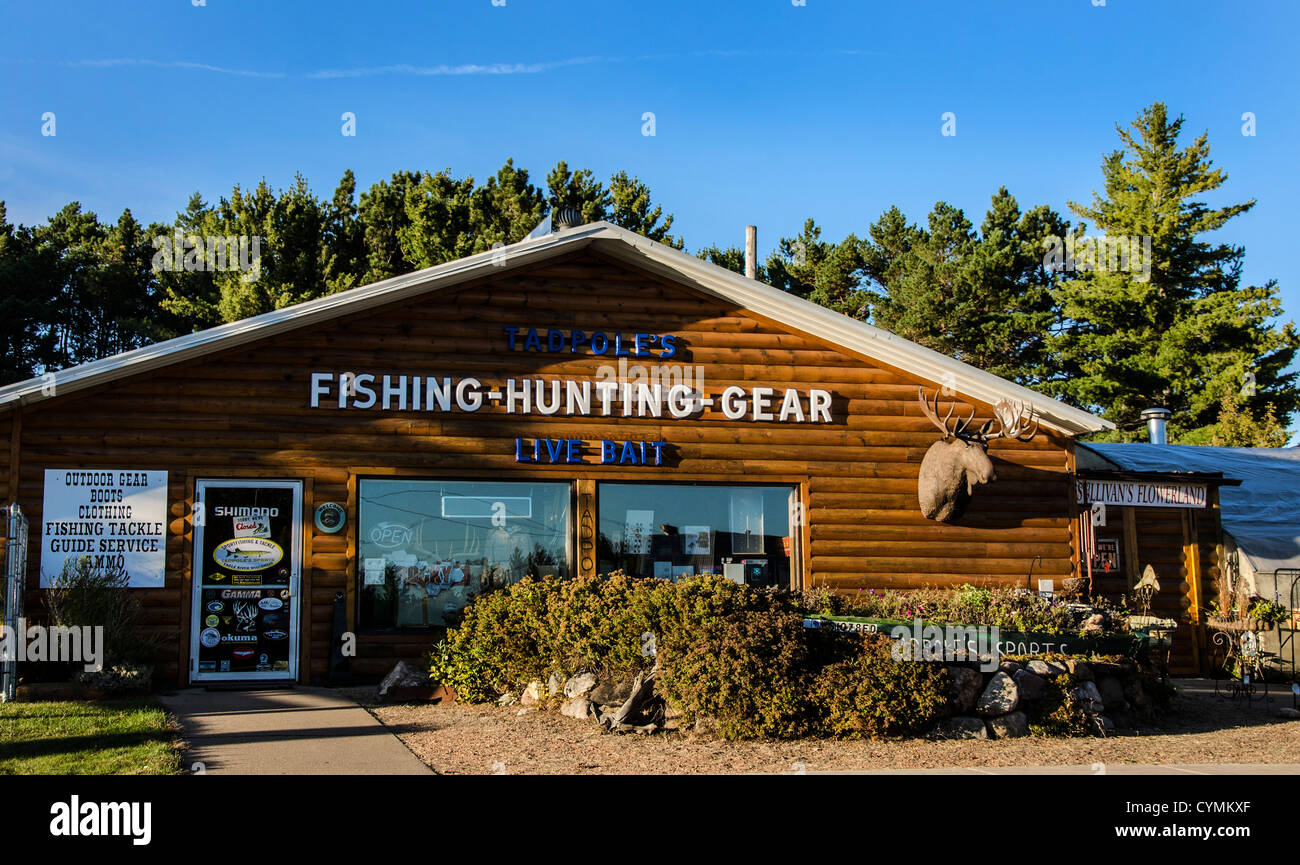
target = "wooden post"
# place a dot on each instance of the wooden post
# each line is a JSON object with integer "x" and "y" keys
{"x": 1192, "y": 559}
{"x": 751, "y": 251}
{"x": 1130, "y": 546}
{"x": 586, "y": 527}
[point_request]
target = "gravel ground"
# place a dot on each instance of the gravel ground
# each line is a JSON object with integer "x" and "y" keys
{"x": 460, "y": 739}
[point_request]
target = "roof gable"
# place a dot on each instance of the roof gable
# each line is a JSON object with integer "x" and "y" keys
{"x": 617, "y": 243}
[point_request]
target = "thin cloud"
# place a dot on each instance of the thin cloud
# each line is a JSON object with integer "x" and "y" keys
{"x": 113, "y": 62}
{"x": 460, "y": 69}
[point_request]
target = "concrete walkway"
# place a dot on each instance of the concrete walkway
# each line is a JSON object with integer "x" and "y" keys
{"x": 289, "y": 731}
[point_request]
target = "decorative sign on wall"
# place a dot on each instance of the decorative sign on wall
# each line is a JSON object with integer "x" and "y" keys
{"x": 1142, "y": 494}
{"x": 331, "y": 517}
{"x": 115, "y": 517}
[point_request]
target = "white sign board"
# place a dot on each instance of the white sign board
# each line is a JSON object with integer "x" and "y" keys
{"x": 114, "y": 516}
{"x": 1142, "y": 494}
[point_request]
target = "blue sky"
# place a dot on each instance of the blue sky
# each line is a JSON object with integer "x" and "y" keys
{"x": 766, "y": 112}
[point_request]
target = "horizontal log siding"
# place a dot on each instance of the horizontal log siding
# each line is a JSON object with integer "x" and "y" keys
{"x": 246, "y": 411}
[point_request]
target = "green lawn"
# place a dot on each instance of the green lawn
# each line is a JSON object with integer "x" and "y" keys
{"x": 113, "y": 737}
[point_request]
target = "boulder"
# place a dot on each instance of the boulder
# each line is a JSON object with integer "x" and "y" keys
{"x": 612, "y": 692}
{"x": 532, "y": 695}
{"x": 1089, "y": 698}
{"x": 962, "y": 727}
{"x": 964, "y": 689}
{"x": 403, "y": 675}
{"x": 1040, "y": 668}
{"x": 1009, "y": 667}
{"x": 1112, "y": 693}
{"x": 1057, "y": 668}
{"x": 1031, "y": 685}
{"x": 1105, "y": 668}
{"x": 554, "y": 684}
{"x": 577, "y": 707}
{"x": 1107, "y": 725}
{"x": 1000, "y": 696}
{"x": 1014, "y": 725}
{"x": 507, "y": 699}
{"x": 1095, "y": 624}
{"x": 1079, "y": 670}
{"x": 580, "y": 685}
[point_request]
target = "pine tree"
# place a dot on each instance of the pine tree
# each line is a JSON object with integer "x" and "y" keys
{"x": 630, "y": 208}
{"x": 820, "y": 271}
{"x": 983, "y": 297}
{"x": 1172, "y": 328}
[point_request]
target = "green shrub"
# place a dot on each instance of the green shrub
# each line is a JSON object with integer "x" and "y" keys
{"x": 1058, "y": 713}
{"x": 85, "y": 595}
{"x": 869, "y": 694}
{"x": 744, "y": 672}
{"x": 1011, "y": 609}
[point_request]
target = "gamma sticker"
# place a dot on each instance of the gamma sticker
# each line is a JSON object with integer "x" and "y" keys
{"x": 247, "y": 554}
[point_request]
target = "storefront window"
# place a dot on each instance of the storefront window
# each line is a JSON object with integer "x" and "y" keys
{"x": 426, "y": 546}
{"x": 677, "y": 530}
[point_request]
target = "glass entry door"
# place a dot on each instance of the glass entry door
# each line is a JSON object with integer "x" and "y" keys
{"x": 247, "y": 569}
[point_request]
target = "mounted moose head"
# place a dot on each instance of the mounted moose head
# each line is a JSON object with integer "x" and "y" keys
{"x": 954, "y": 466}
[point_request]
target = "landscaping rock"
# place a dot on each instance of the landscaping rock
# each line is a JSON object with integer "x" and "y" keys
{"x": 1057, "y": 668}
{"x": 1031, "y": 685}
{"x": 1011, "y": 726}
{"x": 577, "y": 707}
{"x": 1040, "y": 668}
{"x": 1009, "y": 667}
{"x": 1112, "y": 693}
{"x": 1089, "y": 698}
{"x": 1095, "y": 624}
{"x": 1079, "y": 670}
{"x": 1105, "y": 668}
{"x": 554, "y": 684}
{"x": 962, "y": 727}
{"x": 580, "y": 685}
{"x": 1000, "y": 696}
{"x": 1107, "y": 725}
{"x": 403, "y": 676}
{"x": 507, "y": 699}
{"x": 965, "y": 689}
{"x": 532, "y": 695}
{"x": 612, "y": 692}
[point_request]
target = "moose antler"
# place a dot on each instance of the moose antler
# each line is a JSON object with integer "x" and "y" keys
{"x": 1012, "y": 421}
{"x": 959, "y": 430}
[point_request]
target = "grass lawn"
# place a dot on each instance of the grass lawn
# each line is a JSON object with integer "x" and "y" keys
{"x": 113, "y": 737}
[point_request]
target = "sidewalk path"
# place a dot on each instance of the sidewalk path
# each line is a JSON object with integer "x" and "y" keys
{"x": 289, "y": 731}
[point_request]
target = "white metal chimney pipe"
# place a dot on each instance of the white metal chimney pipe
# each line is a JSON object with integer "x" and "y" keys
{"x": 1157, "y": 420}
{"x": 751, "y": 251}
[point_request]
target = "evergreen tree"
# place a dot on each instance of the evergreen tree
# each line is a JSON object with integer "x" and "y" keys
{"x": 983, "y": 297}
{"x": 383, "y": 218}
{"x": 1176, "y": 329}
{"x": 826, "y": 273}
{"x": 732, "y": 258}
{"x": 630, "y": 208}
{"x": 579, "y": 190}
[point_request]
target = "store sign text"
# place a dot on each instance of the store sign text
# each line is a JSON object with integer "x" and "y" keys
{"x": 569, "y": 397}
{"x": 573, "y": 452}
{"x": 1141, "y": 493}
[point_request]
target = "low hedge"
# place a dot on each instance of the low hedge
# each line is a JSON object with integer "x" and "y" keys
{"x": 731, "y": 656}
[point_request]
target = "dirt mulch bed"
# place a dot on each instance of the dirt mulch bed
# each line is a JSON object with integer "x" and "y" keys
{"x": 460, "y": 739}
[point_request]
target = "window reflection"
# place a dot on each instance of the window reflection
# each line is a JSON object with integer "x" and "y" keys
{"x": 426, "y": 546}
{"x": 678, "y": 530}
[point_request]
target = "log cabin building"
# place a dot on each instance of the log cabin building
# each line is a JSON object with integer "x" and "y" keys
{"x": 582, "y": 401}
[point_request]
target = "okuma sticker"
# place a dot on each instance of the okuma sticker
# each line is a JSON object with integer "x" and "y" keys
{"x": 247, "y": 554}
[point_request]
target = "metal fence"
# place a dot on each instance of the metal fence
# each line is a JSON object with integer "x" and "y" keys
{"x": 15, "y": 575}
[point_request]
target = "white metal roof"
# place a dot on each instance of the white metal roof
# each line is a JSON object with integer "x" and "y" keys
{"x": 616, "y": 242}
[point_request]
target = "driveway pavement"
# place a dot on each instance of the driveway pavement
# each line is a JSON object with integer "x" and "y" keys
{"x": 286, "y": 731}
